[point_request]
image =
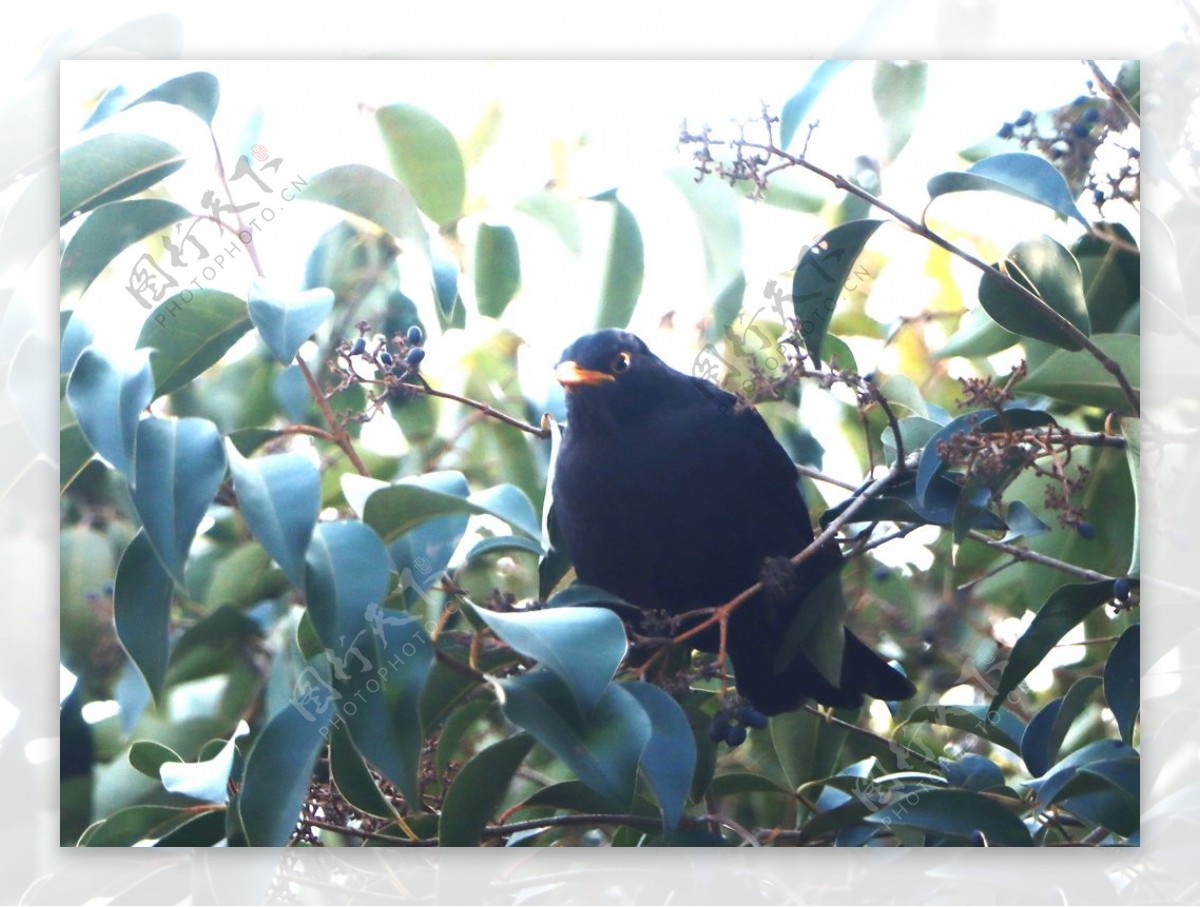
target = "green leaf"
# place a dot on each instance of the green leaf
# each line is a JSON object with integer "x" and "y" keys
{"x": 110, "y": 230}
{"x": 286, "y": 320}
{"x": 817, "y": 630}
{"x": 806, "y": 745}
{"x": 797, "y": 106}
{"x": 1022, "y": 522}
{"x": 111, "y": 167}
{"x": 1112, "y": 275}
{"x": 189, "y": 333}
{"x": 1000, "y": 726}
{"x": 353, "y": 778}
{"x": 1026, "y": 176}
{"x": 915, "y": 432}
{"x": 368, "y": 193}
{"x": 128, "y": 826}
{"x": 603, "y": 749}
{"x": 669, "y": 759}
{"x": 203, "y": 829}
{"x": 380, "y": 700}
{"x": 956, "y": 814}
{"x": 977, "y": 335}
{"x": 1068, "y": 606}
{"x": 624, "y": 269}
{"x": 455, "y": 729}
{"x": 901, "y": 390}
{"x": 898, "y": 89}
{"x": 1047, "y": 729}
{"x": 108, "y": 397}
{"x": 974, "y": 772}
{"x": 147, "y": 755}
{"x": 180, "y": 465}
{"x": 75, "y": 335}
{"x": 1122, "y": 687}
{"x": 718, "y": 218}
{"x": 278, "y": 769}
{"x": 497, "y": 268}
{"x": 73, "y": 454}
{"x": 279, "y": 497}
{"x": 1076, "y": 377}
{"x": 198, "y": 92}
{"x": 820, "y": 276}
{"x": 400, "y": 507}
{"x": 500, "y": 544}
{"x": 478, "y": 791}
{"x": 735, "y": 783}
{"x": 1051, "y": 273}
{"x": 347, "y": 574}
{"x": 425, "y": 158}
{"x": 581, "y": 646}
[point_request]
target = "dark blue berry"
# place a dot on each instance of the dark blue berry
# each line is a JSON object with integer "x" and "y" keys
{"x": 108, "y": 589}
{"x": 386, "y": 358}
{"x": 1079, "y": 130}
{"x": 1006, "y": 131}
{"x": 1080, "y": 101}
{"x": 415, "y": 336}
{"x": 719, "y": 727}
{"x": 1134, "y": 153}
{"x": 752, "y": 717}
{"x": 881, "y": 574}
{"x": 1056, "y": 152}
{"x": 1024, "y": 118}
{"x": 360, "y": 347}
{"x": 736, "y": 735}
{"x": 1086, "y": 529}
{"x": 1091, "y": 115}
{"x": 1121, "y": 589}
{"x": 415, "y": 356}
{"x": 1098, "y": 196}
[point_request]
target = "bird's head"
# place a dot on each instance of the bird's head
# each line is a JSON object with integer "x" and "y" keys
{"x": 612, "y": 376}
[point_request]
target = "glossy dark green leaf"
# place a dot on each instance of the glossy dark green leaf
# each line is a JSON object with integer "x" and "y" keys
{"x": 368, "y": 193}
{"x": 1062, "y": 611}
{"x": 461, "y": 720}
{"x": 278, "y": 769}
{"x": 806, "y": 746}
{"x": 933, "y": 462}
{"x": 74, "y": 453}
{"x": 286, "y": 320}
{"x": 75, "y": 334}
{"x": 1122, "y": 680}
{"x": 1076, "y": 377}
{"x": 128, "y": 826}
{"x": 1107, "y": 795}
{"x": 497, "y": 268}
{"x": 898, "y": 89}
{"x": 817, "y": 630}
{"x": 180, "y": 465}
{"x": 110, "y": 230}
{"x": 1051, "y": 273}
{"x": 189, "y": 333}
{"x": 1047, "y": 729}
{"x": 1024, "y": 175}
{"x": 581, "y": 646}
{"x": 797, "y": 106}
{"x": 394, "y": 510}
{"x": 977, "y": 335}
{"x": 109, "y": 167}
{"x": 716, "y": 207}
{"x": 1111, "y": 275}
{"x": 624, "y": 270}
{"x": 548, "y": 207}
{"x": 820, "y": 276}
{"x": 108, "y": 397}
{"x": 603, "y": 749}
{"x": 347, "y": 574}
{"x": 1049, "y": 787}
{"x": 478, "y": 791}
{"x": 352, "y": 777}
{"x": 974, "y": 772}
{"x": 956, "y": 814}
{"x": 206, "y": 828}
{"x": 198, "y": 92}
{"x": 1001, "y": 727}
{"x": 381, "y": 689}
{"x": 279, "y": 497}
{"x": 147, "y": 755}
{"x": 736, "y": 783}
{"x": 669, "y": 759}
{"x": 425, "y": 158}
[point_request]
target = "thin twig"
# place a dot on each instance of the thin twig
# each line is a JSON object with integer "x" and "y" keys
{"x": 484, "y": 408}
{"x": 1118, "y": 96}
{"x": 1026, "y": 554}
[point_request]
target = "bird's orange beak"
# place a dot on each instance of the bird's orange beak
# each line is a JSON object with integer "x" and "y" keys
{"x": 570, "y": 375}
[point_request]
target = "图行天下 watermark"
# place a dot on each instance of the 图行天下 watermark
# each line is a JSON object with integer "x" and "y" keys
{"x": 196, "y": 255}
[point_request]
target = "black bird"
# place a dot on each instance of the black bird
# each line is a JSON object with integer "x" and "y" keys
{"x": 673, "y": 495}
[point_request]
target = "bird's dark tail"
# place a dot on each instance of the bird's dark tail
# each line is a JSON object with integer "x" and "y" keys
{"x": 863, "y": 673}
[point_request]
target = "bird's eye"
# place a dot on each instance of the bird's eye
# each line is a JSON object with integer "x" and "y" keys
{"x": 620, "y": 363}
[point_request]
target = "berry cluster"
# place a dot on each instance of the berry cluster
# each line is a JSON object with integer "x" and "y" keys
{"x": 732, "y": 724}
